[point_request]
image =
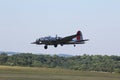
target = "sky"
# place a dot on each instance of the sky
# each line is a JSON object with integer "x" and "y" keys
{"x": 22, "y": 21}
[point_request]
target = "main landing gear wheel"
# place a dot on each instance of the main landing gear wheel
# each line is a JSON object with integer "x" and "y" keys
{"x": 45, "y": 47}
{"x": 55, "y": 45}
{"x": 61, "y": 44}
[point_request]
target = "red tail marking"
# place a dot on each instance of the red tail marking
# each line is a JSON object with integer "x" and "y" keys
{"x": 78, "y": 36}
{"x": 78, "y": 33}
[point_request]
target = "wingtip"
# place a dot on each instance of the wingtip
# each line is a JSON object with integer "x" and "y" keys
{"x": 32, "y": 42}
{"x": 87, "y": 39}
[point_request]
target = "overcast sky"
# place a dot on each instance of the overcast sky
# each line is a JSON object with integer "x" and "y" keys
{"x": 22, "y": 21}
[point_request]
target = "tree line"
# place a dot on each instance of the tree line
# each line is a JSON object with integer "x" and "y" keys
{"x": 83, "y": 63}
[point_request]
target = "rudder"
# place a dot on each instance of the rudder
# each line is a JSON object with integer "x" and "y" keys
{"x": 79, "y": 36}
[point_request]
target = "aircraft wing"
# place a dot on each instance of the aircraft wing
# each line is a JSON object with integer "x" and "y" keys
{"x": 66, "y": 39}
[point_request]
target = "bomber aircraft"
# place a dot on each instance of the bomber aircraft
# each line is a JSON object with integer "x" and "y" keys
{"x": 55, "y": 41}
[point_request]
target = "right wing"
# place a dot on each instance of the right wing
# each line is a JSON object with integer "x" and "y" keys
{"x": 68, "y": 38}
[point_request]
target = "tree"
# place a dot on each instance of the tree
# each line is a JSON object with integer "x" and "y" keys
{"x": 3, "y": 58}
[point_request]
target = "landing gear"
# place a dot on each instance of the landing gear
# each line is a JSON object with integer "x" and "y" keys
{"x": 45, "y": 47}
{"x": 61, "y": 44}
{"x": 74, "y": 45}
{"x": 55, "y": 45}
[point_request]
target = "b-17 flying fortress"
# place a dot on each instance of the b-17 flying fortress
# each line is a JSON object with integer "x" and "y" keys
{"x": 55, "y": 41}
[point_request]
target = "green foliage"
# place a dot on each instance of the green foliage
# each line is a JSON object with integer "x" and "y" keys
{"x": 117, "y": 71}
{"x": 83, "y": 63}
{"x": 3, "y": 58}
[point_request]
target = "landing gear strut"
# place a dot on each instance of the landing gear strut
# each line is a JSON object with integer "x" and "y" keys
{"x": 45, "y": 47}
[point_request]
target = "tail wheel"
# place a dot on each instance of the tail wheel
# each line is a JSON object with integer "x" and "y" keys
{"x": 74, "y": 45}
{"x": 45, "y": 47}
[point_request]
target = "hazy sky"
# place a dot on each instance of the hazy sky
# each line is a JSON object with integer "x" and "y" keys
{"x": 22, "y": 21}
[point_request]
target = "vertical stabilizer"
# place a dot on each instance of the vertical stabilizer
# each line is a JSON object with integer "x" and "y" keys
{"x": 79, "y": 36}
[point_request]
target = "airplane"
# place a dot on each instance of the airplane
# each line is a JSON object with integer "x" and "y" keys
{"x": 55, "y": 41}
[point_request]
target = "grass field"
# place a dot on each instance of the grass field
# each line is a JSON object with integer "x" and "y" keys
{"x": 28, "y": 73}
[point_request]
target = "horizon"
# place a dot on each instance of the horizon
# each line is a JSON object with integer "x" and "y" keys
{"x": 59, "y": 54}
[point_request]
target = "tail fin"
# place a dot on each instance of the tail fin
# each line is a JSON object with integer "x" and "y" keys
{"x": 79, "y": 36}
